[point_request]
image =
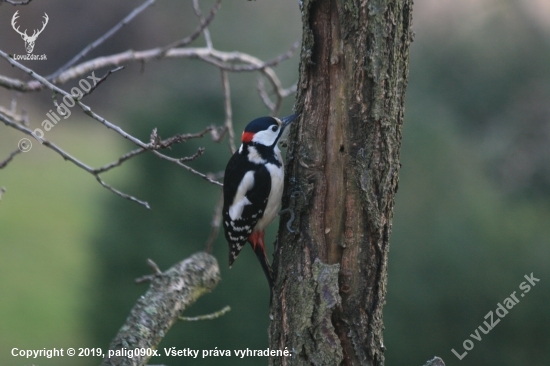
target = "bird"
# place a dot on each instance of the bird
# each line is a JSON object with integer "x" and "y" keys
{"x": 252, "y": 188}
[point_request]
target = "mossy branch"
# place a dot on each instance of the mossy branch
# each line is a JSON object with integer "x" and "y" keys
{"x": 436, "y": 361}
{"x": 170, "y": 293}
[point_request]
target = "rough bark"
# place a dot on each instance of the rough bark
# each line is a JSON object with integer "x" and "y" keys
{"x": 342, "y": 176}
{"x": 155, "y": 312}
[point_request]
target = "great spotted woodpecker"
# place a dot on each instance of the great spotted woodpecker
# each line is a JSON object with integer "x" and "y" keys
{"x": 252, "y": 188}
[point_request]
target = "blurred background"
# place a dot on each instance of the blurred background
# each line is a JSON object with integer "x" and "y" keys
{"x": 472, "y": 214}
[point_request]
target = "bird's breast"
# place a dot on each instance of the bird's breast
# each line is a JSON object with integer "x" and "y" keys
{"x": 272, "y": 208}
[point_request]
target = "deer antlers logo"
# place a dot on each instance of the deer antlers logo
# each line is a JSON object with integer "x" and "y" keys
{"x": 29, "y": 40}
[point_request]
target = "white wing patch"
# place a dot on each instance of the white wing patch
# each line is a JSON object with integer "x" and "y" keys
{"x": 237, "y": 207}
{"x": 266, "y": 137}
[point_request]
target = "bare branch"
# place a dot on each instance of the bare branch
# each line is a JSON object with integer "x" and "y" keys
{"x": 436, "y": 361}
{"x": 272, "y": 63}
{"x": 148, "y": 278}
{"x": 187, "y": 167}
{"x": 223, "y": 60}
{"x": 155, "y": 312}
{"x": 70, "y": 158}
{"x": 15, "y": 84}
{"x": 119, "y": 161}
{"x": 12, "y": 113}
{"x": 2, "y": 191}
{"x": 228, "y": 111}
{"x": 216, "y": 176}
{"x": 103, "y": 38}
{"x": 156, "y": 145}
{"x": 122, "y": 194}
{"x": 290, "y": 90}
{"x": 16, "y": 2}
{"x": 102, "y": 79}
{"x": 260, "y": 87}
{"x": 205, "y": 31}
{"x": 183, "y": 138}
{"x": 154, "y": 267}
{"x": 212, "y": 316}
{"x": 6, "y": 161}
{"x": 187, "y": 40}
{"x": 226, "y": 61}
{"x": 88, "y": 111}
{"x": 195, "y": 156}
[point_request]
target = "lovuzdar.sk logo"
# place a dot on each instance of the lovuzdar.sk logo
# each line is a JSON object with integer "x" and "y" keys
{"x": 29, "y": 40}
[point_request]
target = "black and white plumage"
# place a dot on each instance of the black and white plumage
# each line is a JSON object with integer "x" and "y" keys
{"x": 252, "y": 188}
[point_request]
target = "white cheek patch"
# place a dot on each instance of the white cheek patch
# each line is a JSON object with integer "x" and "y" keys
{"x": 237, "y": 207}
{"x": 266, "y": 137}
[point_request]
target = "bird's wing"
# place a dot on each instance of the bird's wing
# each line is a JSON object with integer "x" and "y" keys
{"x": 247, "y": 207}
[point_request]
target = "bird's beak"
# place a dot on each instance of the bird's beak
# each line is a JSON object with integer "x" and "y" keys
{"x": 286, "y": 120}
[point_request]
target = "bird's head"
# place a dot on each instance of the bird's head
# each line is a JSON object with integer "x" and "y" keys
{"x": 266, "y": 130}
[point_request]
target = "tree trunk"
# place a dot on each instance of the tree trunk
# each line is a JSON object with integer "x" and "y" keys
{"x": 342, "y": 175}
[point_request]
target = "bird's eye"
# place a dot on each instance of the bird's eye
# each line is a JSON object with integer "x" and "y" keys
{"x": 274, "y": 128}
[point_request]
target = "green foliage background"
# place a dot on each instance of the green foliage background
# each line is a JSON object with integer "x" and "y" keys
{"x": 471, "y": 216}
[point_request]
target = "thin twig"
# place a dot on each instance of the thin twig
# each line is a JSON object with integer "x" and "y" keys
{"x": 103, "y": 38}
{"x": 215, "y": 315}
{"x": 2, "y": 191}
{"x": 88, "y": 111}
{"x": 187, "y": 167}
{"x": 260, "y": 87}
{"x": 272, "y": 63}
{"x": 228, "y": 111}
{"x": 205, "y": 31}
{"x": 4, "y": 163}
{"x": 148, "y": 278}
{"x": 164, "y": 144}
{"x": 220, "y": 59}
{"x": 12, "y": 113}
{"x": 289, "y": 91}
{"x": 195, "y": 156}
{"x": 122, "y": 194}
{"x": 216, "y": 176}
{"x": 204, "y": 22}
{"x": 159, "y": 145}
{"x": 70, "y": 158}
{"x": 215, "y": 57}
{"x": 119, "y": 161}
{"x": 255, "y": 64}
{"x": 218, "y": 134}
{"x": 102, "y": 79}
{"x": 154, "y": 267}
{"x": 226, "y": 61}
